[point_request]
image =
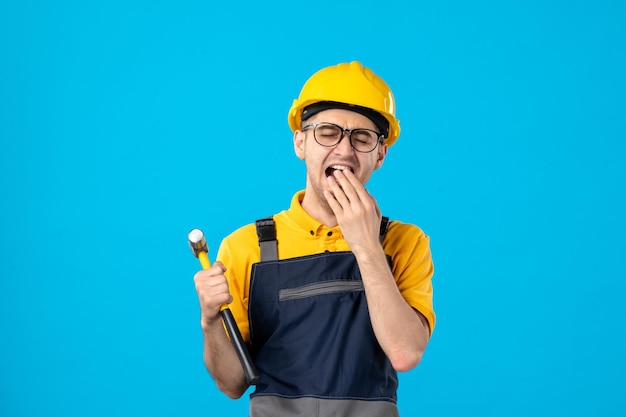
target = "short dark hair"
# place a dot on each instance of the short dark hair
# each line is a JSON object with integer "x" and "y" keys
{"x": 378, "y": 119}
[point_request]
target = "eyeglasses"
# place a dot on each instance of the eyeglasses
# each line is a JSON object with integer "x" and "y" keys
{"x": 329, "y": 135}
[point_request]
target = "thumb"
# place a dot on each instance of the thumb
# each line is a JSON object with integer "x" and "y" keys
{"x": 221, "y": 265}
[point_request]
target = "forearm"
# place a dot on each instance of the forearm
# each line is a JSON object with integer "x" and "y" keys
{"x": 222, "y": 362}
{"x": 400, "y": 330}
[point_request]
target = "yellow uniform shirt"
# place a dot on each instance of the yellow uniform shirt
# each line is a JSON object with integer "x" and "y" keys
{"x": 299, "y": 234}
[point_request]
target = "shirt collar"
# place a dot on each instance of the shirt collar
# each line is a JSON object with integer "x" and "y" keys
{"x": 300, "y": 216}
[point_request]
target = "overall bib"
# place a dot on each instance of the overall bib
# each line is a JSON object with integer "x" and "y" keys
{"x": 313, "y": 343}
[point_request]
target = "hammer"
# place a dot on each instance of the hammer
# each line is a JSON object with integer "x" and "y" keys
{"x": 199, "y": 248}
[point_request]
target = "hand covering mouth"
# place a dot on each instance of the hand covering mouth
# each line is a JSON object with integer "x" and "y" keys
{"x": 331, "y": 169}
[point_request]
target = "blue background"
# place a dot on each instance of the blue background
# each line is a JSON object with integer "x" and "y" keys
{"x": 125, "y": 124}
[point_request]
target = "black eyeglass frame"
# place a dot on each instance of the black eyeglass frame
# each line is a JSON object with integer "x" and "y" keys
{"x": 379, "y": 135}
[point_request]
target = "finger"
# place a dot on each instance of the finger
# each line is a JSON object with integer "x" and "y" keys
{"x": 216, "y": 269}
{"x": 333, "y": 203}
{"x": 347, "y": 186}
{"x": 212, "y": 277}
{"x": 364, "y": 196}
{"x": 356, "y": 185}
{"x": 338, "y": 192}
{"x": 220, "y": 265}
{"x": 208, "y": 275}
{"x": 213, "y": 292}
{"x": 211, "y": 288}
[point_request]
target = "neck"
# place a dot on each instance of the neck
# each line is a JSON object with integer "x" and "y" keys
{"x": 317, "y": 207}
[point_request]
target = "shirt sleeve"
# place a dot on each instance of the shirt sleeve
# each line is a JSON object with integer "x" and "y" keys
{"x": 238, "y": 252}
{"x": 412, "y": 267}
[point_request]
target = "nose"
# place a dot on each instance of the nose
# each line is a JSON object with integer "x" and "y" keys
{"x": 344, "y": 146}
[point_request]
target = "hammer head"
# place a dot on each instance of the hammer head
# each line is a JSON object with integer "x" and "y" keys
{"x": 197, "y": 242}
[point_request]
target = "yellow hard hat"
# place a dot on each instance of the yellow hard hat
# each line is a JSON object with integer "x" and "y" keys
{"x": 351, "y": 84}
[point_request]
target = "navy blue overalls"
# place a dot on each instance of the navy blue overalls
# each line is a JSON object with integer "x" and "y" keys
{"x": 311, "y": 337}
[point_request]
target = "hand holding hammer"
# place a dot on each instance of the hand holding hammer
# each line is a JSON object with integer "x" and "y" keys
{"x": 198, "y": 245}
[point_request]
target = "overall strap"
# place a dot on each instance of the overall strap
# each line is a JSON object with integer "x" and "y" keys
{"x": 266, "y": 231}
{"x": 384, "y": 224}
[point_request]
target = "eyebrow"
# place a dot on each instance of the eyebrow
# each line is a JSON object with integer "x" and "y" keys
{"x": 312, "y": 122}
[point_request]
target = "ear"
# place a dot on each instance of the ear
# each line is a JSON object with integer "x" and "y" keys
{"x": 298, "y": 143}
{"x": 382, "y": 153}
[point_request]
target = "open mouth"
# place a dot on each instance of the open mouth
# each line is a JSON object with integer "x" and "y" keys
{"x": 331, "y": 169}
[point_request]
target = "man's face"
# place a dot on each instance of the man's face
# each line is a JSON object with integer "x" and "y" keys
{"x": 321, "y": 161}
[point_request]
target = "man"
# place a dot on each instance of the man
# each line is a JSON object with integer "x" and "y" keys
{"x": 330, "y": 313}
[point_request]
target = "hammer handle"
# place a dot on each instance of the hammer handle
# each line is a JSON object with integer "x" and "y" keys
{"x": 249, "y": 370}
{"x": 204, "y": 260}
